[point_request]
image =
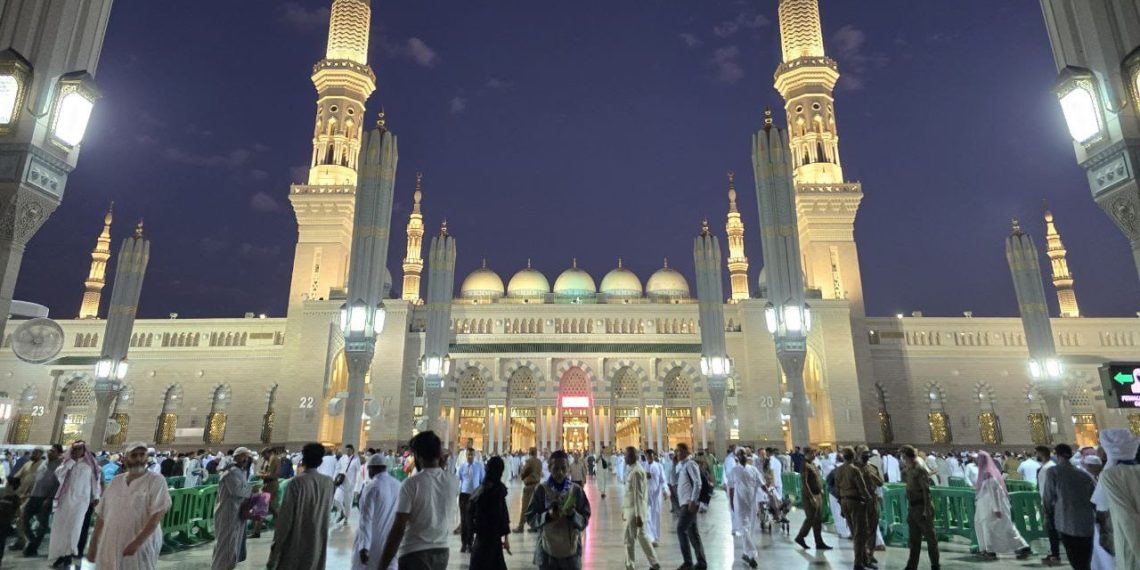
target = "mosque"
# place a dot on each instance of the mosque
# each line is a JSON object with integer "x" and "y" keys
{"x": 580, "y": 364}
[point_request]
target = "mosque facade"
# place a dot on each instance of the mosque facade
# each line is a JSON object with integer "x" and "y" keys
{"x": 574, "y": 363}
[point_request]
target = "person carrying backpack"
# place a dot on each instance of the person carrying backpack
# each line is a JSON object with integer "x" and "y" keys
{"x": 560, "y": 511}
{"x": 690, "y": 483}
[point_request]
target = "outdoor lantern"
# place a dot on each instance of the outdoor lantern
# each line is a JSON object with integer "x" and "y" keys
{"x": 807, "y": 318}
{"x": 103, "y": 368}
{"x": 354, "y": 317}
{"x": 1076, "y": 90}
{"x": 1053, "y": 368}
{"x": 76, "y": 94}
{"x": 15, "y": 73}
{"x": 121, "y": 369}
{"x": 793, "y": 318}
{"x": 378, "y": 319}
{"x": 770, "y": 317}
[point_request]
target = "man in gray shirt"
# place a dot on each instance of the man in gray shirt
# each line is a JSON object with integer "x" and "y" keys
{"x": 1068, "y": 494}
{"x": 39, "y": 503}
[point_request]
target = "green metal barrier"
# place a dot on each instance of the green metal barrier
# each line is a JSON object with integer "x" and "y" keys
{"x": 1015, "y": 485}
{"x": 1027, "y": 513}
{"x": 718, "y": 475}
{"x": 178, "y": 482}
{"x": 958, "y": 482}
{"x": 793, "y": 487}
{"x": 954, "y": 514}
{"x": 177, "y": 531}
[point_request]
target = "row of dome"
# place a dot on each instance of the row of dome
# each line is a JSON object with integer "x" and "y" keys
{"x": 530, "y": 283}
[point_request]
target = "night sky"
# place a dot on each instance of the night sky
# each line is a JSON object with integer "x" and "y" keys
{"x": 594, "y": 130}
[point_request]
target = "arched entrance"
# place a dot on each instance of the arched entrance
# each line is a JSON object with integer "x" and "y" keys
{"x": 332, "y": 408}
{"x": 472, "y": 408}
{"x": 574, "y": 404}
{"x": 678, "y": 408}
{"x": 216, "y": 419}
{"x": 627, "y": 409}
{"x": 71, "y": 415}
{"x": 820, "y": 424}
{"x": 1086, "y": 430}
{"x": 521, "y": 389}
{"x": 168, "y": 416}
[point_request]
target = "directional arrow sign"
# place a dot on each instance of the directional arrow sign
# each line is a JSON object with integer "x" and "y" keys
{"x": 1122, "y": 378}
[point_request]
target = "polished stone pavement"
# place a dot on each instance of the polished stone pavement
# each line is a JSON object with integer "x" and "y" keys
{"x": 605, "y": 549}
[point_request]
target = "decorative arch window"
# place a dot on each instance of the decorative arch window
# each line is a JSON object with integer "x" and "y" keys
{"x": 472, "y": 386}
{"x": 677, "y": 386}
{"x": 886, "y": 427}
{"x": 988, "y": 422}
{"x": 574, "y": 382}
{"x": 216, "y": 419}
{"x": 521, "y": 384}
{"x": 270, "y": 416}
{"x": 626, "y": 385}
{"x": 168, "y": 417}
{"x": 937, "y": 418}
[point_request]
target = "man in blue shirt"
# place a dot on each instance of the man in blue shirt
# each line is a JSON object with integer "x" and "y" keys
{"x": 470, "y": 477}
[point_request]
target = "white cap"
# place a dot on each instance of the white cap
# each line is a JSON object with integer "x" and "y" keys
{"x": 127, "y": 449}
{"x": 376, "y": 461}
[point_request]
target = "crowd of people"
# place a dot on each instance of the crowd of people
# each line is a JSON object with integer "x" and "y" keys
{"x": 409, "y": 500}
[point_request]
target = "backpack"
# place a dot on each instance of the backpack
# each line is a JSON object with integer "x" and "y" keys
{"x": 559, "y": 538}
{"x": 706, "y": 486}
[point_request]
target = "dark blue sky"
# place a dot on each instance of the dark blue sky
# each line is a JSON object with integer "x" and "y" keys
{"x": 590, "y": 130}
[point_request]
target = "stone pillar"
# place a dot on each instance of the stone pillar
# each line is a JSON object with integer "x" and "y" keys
{"x": 105, "y": 395}
{"x": 1057, "y": 406}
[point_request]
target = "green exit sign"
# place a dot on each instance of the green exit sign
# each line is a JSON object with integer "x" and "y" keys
{"x": 1121, "y": 384}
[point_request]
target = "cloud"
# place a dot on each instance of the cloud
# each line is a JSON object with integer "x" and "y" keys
{"x": 691, "y": 40}
{"x": 494, "y": 83}
{"x": 849, "y": 45}
{"x": 745, "y": 20}
{"x": 258, "y": 174}
{"x": 264, "y": 203}
{"x": 260, "y": 147}
{"x": 302, "y": 18}
{"x": 458, "y": 105}
{"x": 299, "y": 174}
{"x": 421, "y": 53}
{"x": 724, "y": 61}
{"x": 234, "y": 158}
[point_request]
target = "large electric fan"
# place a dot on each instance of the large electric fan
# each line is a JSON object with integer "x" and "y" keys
{"x": 37, "y": 340}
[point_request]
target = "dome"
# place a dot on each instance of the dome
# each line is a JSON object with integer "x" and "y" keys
{"x": 528, "y": 283}
{"x": 574, "y": 282}
{"x": 667, "y": 283}
{"x": 621, "y": 283}
{"x": 482, "y": 284}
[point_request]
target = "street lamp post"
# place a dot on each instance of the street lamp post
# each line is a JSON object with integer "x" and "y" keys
{"x": 111, "y": 368}
{"x": 1046, "y": 371}
{"x": 787, "y": 314}
{"x": 45, "y": 104}
{"x": 715, "y": 364}
{"x": 435, "y": 364}
{"x": 362, "y": 315}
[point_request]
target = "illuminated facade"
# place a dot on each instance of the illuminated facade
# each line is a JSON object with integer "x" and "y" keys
{"x": 1062, "y": 279}
{"x": 573, "y": 362}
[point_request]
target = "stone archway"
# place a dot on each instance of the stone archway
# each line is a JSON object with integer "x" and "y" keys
{"x": 215, "y": 432}
{"x": 167, "y": 421}
{"x": 73, "y": 412}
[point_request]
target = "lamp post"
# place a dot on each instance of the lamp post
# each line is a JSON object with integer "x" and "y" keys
{"x": 787, "y": 314}
{"x": 1046, "y": 371}
{"x": 715, "y": 364}
{"x": 45, "y": 103}
{"x": 111, "y": 368}
{"x": 362, "y": 316}
{"x": 435, "y": 364}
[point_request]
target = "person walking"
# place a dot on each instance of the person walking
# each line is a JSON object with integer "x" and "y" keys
{"x": 811, "y": 491}
{"x": 377, "y": 514}
{"x": 79, "y": 491}
{"x": 602, "y": 469}
{"x": 746, "y": 488}
{"x": 671, "y": 479}
{"x": 560, "y": 512}
{"x": 347, "y": 472}
{"x": 578, "y": 471}
{"x": 873, "y": 477}
{"x": 729, "y": 473}
{"x": 424, "y": 509}
{"x": 471, "y": 475}
{"x": 301, "y": 530}
{"x": 490, "y": 519}
{"x": 1068, "y": 494}
{"x": 531, "y": 475}
{"x": 1117, "y": 497}
{"x": 920, "y": 509}
{"x": 635, "y": 511}
{"x": 229, "y": 525}
{"x": 128, "y": 525}
{"x": 38, "y": 506}
{"x": 655, "y": 485}
{"x": 268, "y": 469}
{"x": 854, "y": 497}
{"x": 1044, "y": 458}
{"x": 689, "y": 495}
{"x": 992, "y": 521}
{"x": 26, "y": 471}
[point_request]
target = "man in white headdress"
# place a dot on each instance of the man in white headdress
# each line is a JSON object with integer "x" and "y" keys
{"x": 1117, "y": 494}
{"x": 80, "y": 485}
{"x": 229, "y": 527}
{"x": 128, "y": 532}
{"x": 377, "y": 513}
{"x": 891, "y": 468}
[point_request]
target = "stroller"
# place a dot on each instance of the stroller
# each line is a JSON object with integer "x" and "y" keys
{"x": 773, "y": 509}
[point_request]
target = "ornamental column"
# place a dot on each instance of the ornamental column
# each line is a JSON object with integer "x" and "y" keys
{"x": 715, "y": 364}
{"x": 111, "y": 368}
{"x": 436, "y": 364}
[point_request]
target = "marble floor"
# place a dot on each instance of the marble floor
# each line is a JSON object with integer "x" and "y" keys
{"x": 605, "y": 549}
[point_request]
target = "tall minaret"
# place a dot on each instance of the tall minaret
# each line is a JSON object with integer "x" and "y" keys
{"x": 737, "y": 262}
{"x": 825, "y": 203}
{"x": 96, "y": 278}
{"x": 1062, "y": 279}
{"x": 325, "y": 205}
{"x": 414, "y": 263}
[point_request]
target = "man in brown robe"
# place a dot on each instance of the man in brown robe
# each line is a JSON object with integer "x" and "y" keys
{"x": 812, "y": 493}
{"x": 531, "y": 475}
{"x": 300, "y": 537}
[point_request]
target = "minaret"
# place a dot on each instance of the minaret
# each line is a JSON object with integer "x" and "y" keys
{"x": 825, "y": 203}
{"x": 324, "y": 206}
{"x": 414, "y": 263}
{"x": 96, "y": 278}
{"x": 737, "y": 262}
{"x": 1062, "y": 279}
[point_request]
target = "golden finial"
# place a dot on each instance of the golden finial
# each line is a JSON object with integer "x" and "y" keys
{"x": 574, "y": 263}
{"x": 381, "y": 123}
{"x": 619, "y": 263}
{"x": 705, "y": 227}
{"x": 484, "y": 263}
{"x": 139, "y": 229}
{"x": 731, "y": 191}
{"x": 418, "y": 195}
{"x": 1016, "y": 227}
{"x": 528, "y": 263}
{"x": 110, "y": 210}
{"x": 767, "y": 118}
{"x": 1048, "y": 213}
{"x": 443, "y": 228}
{"x": 666, "y": 263}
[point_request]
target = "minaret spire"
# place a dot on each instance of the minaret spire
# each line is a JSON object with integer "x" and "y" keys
{"x": 1062, "y": 279}
{"x": 414, "y": 261}
{"x": 96, "y": 278}
{"x": 737, "y": 261}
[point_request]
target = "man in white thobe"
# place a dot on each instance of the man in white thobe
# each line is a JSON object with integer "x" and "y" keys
{"x": 634, "y": 511}
{"x": 79, "y": 489}
{"x": 349, "y": 466}
{"x": 194, "y": 469}
{"x": 128, "y": 535}
{"x": 655, "y": 482}
{"x": 729, "y": 470}
{"x": 377, "y": 512}
{"x": 229, "y": 527}
{"x": 892, "y": 468}
{"x": 1118, "y": 494}
{"x": 777, "y": 472}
